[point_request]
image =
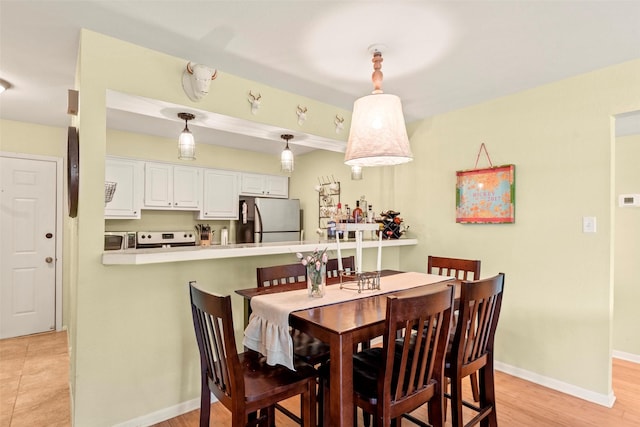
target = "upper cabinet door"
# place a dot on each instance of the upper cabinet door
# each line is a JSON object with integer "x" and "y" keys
{"x": 126, "y": 202}
{"x": 220, "y": 194}
{"x": 265, "y": 185}
{"x": 158, "y": 185}
{"x": 277, "y": 186}
{"x": 187, "y": 187}
{"x": 169, "y": 186}
{"x": 252, "y": 184}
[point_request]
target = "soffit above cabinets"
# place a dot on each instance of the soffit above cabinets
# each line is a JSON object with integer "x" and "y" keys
{"x": 147, "y": 116}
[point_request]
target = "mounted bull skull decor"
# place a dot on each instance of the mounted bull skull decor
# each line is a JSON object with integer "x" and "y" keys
{"x": 196, "y": 80}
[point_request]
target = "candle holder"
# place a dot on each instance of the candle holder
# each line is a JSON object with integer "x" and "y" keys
{"x": 360, "y": 281}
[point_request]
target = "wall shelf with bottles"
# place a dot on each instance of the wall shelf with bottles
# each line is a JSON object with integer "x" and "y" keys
{"x": 328, "y": 199}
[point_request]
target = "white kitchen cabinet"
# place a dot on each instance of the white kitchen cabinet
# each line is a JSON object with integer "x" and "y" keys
{"x": 127, "y": 197}
{"x": 265, "y": 185}
{"x": 174, "y": 187}
{"x": 220, "y": 194}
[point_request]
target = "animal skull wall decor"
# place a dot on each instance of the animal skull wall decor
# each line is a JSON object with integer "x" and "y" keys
{"x": 302, "y": 115}
{"x": 254, "y": 100}
{"x": 196, "y": 79}
{"x": 339, "y": 122}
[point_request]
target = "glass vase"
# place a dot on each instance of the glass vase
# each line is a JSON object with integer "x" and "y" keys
{"x": 316, "y": 280}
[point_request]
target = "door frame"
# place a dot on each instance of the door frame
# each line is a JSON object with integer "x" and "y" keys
{"x": 59, "y": 215}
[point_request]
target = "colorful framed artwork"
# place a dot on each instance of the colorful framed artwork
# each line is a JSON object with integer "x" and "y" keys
{"x": 486, "y": 196}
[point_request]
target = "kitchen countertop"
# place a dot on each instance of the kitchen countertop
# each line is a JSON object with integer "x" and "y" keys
{"x": 195, "y": 253}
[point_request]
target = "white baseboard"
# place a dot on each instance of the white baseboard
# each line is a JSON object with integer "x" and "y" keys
{"x": 164, "y": 414}
{"x": 630, "y": 357}
{"x": 552, "y": 383}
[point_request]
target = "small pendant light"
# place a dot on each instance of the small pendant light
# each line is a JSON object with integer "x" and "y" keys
{"x": 356, "y": 173}
{"x": 286, "y": 158}
{"x": 186, "y": 143}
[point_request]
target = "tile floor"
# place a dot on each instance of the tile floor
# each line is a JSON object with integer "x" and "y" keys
{"x": 34, "y": 381}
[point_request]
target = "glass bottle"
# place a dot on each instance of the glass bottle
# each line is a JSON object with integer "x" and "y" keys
{"x": 357, "y": 213}
{"x": 363, "y": 206}
{"x": 371, "y": 220}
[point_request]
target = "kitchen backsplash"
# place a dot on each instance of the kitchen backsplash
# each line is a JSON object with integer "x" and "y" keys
{"x": 166, "y": 221}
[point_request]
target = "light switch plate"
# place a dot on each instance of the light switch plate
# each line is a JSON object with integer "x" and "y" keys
{"x": 588, "y": 224}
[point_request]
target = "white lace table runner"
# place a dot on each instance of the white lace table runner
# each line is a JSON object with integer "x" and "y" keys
{"x": 268, "y": 328}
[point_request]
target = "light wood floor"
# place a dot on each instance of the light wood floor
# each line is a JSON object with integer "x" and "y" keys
{"x": 34, "y": 392}
{"x": 519, "y": 404}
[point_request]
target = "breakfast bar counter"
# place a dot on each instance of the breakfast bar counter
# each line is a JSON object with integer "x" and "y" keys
{"x": 196, "y": 253}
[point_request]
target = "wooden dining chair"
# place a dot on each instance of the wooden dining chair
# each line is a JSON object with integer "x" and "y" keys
{"x": 461, "y": 269}
{"x": 408, "y": 370}
{"x": 472, "y": 348}
{"x": 243, "y": 383}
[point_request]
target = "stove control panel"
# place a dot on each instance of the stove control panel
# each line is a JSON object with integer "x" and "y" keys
{"x": 165, "y": 238}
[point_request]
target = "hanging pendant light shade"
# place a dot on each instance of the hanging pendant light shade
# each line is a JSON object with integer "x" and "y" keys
{"x": 286, "y": 158}
{"x": 186, "y": 143}
{"x": 378, "y": 135}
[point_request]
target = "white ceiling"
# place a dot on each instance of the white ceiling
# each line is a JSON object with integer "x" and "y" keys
{"x": 440, "y": 56}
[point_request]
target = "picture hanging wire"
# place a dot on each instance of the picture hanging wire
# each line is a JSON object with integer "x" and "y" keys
{"x": 483, "y": 147}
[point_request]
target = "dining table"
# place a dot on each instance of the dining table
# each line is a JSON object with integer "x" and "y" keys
{"x": 344, "y": 324}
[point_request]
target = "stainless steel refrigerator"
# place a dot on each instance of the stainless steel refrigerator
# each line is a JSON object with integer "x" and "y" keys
{"x": 264, "y": 220}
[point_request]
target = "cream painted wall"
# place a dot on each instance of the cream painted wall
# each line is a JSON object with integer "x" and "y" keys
{"x": 556, "y": 314}
{"x": 627, "y": 249}
{"x": 135, "y": 351}
{"x": 29, "y": 138}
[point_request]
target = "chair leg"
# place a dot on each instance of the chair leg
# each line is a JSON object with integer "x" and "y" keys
{"x": 436, "y": 406}
{"x": 271, "y": 416}
{"x": 205, "y": 403}
{"x": 488, "y": 394}
{"x": 366, "y": 419}
{"x": 456, "y": 402}
{"x": 320, "y": 399}
{"x": 325, "y": 400}
{"x": 308, "y": 409}
{"x": 474, "y": 387}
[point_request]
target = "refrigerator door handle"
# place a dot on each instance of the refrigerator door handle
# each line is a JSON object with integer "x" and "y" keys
{"x": 258, "y": 226}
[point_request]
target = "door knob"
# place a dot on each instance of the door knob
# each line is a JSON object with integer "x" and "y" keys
{"x": 48, "y": 235}
{"x": 48, "y": 260}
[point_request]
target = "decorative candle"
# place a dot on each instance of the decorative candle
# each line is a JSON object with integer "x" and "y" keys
{"x": 378, "y": 265}
{"x": 358, "y": 251}
{"x": 339, "y": 254}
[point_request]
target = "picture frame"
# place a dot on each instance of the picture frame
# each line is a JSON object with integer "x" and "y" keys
{"x": 486, "y": 196}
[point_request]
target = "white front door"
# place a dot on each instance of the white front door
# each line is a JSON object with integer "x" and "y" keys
{"x": 28, "y": 258}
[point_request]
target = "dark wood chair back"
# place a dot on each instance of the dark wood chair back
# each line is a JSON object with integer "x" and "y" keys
{"x": 410, "y": 372}
{"x": 461, "y": 269}
{"x": 216, "y": 341}
{"x": 472, "y": 347}
{"x": 243, "y": 383}
{"x": 348, "y": 265}
{"x": 281, "y": 274}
